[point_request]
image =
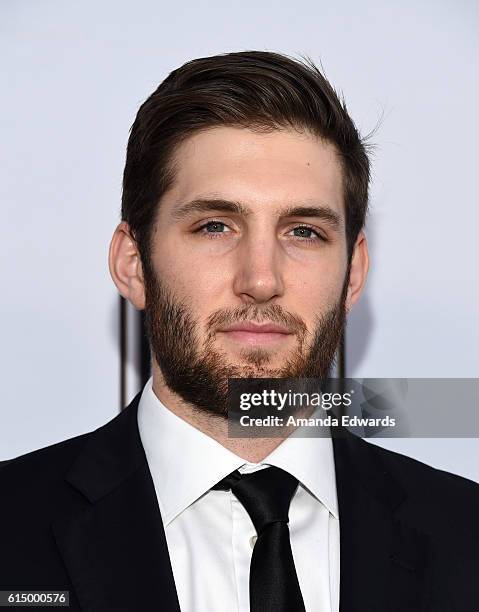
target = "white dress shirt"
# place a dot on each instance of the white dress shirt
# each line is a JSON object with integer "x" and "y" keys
{"x": 210, "y": 535}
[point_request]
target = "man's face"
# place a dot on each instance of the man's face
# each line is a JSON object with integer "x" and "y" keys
{"x": 257, "y": 261}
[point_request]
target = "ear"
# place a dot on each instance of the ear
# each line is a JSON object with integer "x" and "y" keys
{"x": 125, "y": 266}
{"x": 359, "y": 270}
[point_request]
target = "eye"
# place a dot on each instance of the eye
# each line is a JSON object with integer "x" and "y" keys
{"x": 304, "y": 230}
{"x": 215, "y": 226}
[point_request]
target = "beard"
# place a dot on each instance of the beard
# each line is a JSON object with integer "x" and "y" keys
{"x": 199, "y": 374}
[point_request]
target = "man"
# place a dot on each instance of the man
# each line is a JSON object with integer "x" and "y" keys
{"x": 244, "y": 201}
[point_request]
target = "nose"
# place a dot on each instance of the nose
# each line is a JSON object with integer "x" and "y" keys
{"x": 259, "y": 274}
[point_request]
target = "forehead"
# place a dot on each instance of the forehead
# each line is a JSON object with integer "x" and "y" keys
{"x": 265, "y": 171}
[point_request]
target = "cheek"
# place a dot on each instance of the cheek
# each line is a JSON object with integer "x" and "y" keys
{"x": 190, "y": 280}
{"x": 319, "y": 286}
{"x": 308, "y": 302}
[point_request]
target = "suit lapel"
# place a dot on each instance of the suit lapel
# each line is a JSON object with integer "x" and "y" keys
{"x": 113, "y": 542}
{"x": 383, "y": 560}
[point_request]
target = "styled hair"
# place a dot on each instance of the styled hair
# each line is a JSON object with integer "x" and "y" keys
{"x": 258, "y": 90}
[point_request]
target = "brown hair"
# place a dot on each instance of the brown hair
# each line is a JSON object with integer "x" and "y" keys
{"x": 260, "y": 90}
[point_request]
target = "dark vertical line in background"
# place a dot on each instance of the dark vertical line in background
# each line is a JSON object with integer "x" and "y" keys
{"x": 144, "y": 351}
{"x": 342, "y": 356}
{"x": 123, "y": 350}
{"x": 342, "y": 369}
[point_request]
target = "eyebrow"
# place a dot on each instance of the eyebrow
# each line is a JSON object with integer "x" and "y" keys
{"x": 325, "y": 213}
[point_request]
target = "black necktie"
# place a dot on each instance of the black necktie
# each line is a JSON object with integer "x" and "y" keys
{"x": 266, "y": 495}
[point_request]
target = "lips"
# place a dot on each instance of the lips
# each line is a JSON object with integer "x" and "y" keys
{"x": 256, "y": 334}
{"x": 264, "y": 328}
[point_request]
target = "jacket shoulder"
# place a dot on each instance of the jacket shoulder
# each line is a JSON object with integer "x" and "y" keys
{"x": 414, "y": 472}
{"x": 53, "y": 457}
{"x": 36, "y": 478}
{"x": 435, "y": 498}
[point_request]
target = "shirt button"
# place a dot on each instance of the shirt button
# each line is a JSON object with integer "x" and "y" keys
{"x": 252, "y": 540}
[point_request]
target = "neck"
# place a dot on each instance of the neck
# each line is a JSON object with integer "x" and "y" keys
{"x": 216, "y": 427}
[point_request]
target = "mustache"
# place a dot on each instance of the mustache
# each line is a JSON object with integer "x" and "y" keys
{"x": 273, "y": 313}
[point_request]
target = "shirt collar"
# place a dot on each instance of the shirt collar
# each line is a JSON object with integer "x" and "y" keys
{"x": 310, "y": 460}
{"x": 185, "y": 462}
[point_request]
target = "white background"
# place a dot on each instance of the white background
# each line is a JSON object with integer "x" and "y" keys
{"x": 74, "y": 75}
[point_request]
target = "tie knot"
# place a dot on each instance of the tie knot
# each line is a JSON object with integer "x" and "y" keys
{"x": 265, "y": 494}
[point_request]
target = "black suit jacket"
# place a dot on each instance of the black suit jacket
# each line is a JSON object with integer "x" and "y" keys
{"x": 82, "y": 516}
